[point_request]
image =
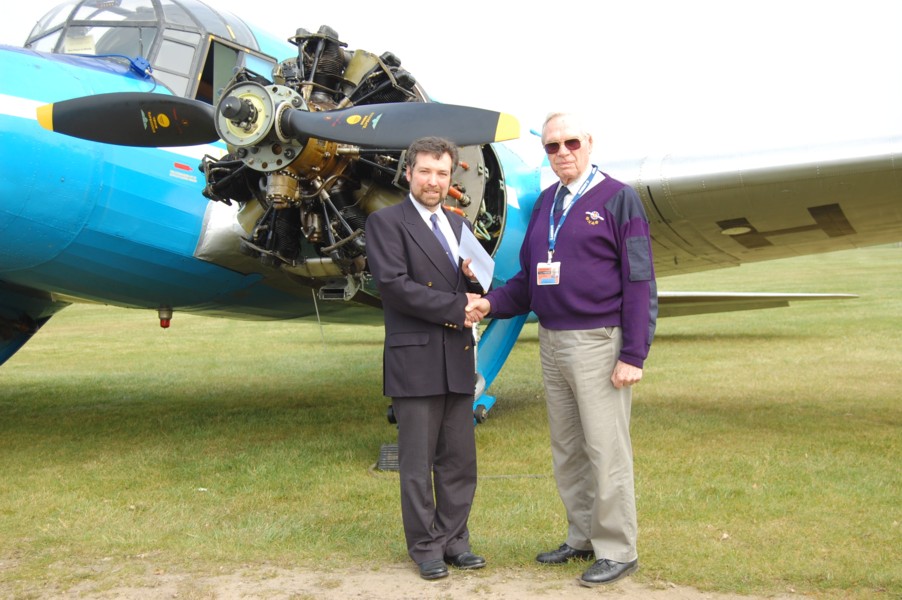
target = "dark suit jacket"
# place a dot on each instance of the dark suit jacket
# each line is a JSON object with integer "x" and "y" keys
{"x": 428, "y": 351}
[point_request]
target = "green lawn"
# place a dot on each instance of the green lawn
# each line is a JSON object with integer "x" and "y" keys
{"x": 767, "y": 444}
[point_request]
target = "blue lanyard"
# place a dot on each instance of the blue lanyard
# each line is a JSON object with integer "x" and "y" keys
{"x": 552, "y": 230}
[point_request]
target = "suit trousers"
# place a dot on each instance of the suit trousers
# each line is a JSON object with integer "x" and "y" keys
{"x": 591, "y": 450}
{"x": 437, "y": 467}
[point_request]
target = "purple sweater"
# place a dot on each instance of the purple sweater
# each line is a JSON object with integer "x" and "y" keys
{"x": 607, "y": 274}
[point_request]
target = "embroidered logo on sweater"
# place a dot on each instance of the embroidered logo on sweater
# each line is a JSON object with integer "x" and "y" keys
{"x": 593, "y": 217}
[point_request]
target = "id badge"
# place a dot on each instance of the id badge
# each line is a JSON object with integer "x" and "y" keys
{"x": 548, "y": 273}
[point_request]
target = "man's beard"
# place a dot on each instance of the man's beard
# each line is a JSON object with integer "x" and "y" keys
{"x": 429, "y": 201}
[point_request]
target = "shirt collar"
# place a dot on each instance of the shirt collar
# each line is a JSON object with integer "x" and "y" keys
{"x": 578, "y": 182}
{"x": 426, "y": 214}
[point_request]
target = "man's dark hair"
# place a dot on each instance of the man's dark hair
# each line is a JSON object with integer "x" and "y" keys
{"x": 435, "y": 146}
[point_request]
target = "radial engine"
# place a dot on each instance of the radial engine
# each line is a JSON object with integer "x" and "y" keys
{"x": 302, "y": 204}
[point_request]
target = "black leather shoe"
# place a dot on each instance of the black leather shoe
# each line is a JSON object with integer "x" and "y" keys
{"x": 607, "y": 571}
{"x": 564, "y": 554}
{"x": 433, "y": 569}
{"x": 465, "y": 560}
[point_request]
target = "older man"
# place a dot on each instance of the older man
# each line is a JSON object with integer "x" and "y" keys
{"x": 586, "y": 271}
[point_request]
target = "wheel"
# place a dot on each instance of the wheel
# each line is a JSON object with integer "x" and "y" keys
{"x": 390, "y": 415}
{"x": 480, "y": 413}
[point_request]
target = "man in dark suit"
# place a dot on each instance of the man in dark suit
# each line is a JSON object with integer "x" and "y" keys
{"x": 429, "y": 367}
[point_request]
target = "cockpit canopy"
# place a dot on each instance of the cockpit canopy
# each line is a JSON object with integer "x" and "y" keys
{"x": 192, "y": 48}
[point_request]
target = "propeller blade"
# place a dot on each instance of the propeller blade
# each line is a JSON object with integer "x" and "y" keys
{"x": 396, "y": 125}
{"x": 132, "y": 119}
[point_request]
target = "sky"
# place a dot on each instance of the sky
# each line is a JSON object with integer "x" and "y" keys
{"x": 648, "y": 77}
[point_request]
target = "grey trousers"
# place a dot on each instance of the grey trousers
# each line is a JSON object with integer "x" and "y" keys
{"x": 590, "y": 440}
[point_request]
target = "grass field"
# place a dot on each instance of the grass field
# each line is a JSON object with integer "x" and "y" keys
{"x": 768, "y": 445}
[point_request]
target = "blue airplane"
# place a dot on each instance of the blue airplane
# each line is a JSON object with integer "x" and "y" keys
{"x": 165, "y": 156}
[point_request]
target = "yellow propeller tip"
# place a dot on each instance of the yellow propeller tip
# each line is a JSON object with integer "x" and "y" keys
{"x": 45, "y": 116}
{"x": 508, "y": 128}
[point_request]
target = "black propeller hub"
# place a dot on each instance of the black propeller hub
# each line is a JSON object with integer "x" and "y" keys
{"x": 238, "y": 111}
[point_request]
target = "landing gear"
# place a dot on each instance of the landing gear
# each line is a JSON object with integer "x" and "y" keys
{"x": 480, "y": 410}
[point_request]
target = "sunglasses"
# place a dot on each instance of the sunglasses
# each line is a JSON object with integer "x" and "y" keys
{"x": 572, "y": 145}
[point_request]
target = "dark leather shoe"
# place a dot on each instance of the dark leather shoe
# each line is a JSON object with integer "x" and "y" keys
{"x": 465, "y": 560}
{"x": 564, "y": 554}
{"x": 607, "y": 571}
{"x": 433, "y": 569}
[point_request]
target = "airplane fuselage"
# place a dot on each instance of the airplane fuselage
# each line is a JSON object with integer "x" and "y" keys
{"x": 105, "y": 223}
{"x": 86, "y": 221}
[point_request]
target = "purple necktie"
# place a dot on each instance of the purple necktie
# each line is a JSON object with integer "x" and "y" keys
{"x": 442, "y": 239}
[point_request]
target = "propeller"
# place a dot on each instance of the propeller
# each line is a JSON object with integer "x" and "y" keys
{"x": 396, "y": 125}
{"x": 132, "y": 119}
{"x": 152, "y": 120}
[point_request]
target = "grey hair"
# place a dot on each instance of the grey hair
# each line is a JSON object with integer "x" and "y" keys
{"x": 571, "y": 118}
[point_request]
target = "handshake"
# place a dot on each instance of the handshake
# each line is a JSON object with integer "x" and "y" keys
{"x": 477, "y": 309}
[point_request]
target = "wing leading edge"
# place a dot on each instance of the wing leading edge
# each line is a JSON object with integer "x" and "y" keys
{"x": 22, "y": 313}
{"x": 680, "y": 304}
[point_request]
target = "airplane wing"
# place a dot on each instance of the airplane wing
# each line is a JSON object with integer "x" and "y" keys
{"x": 23, "y": 312}
{"x": 679, "y": 304}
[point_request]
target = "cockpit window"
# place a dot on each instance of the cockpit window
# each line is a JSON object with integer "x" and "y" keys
{"x": 53, "y": 19}
{"x": 192, "y": 48}
{"x": 120, "y": 10}
{"x": 122, "y": 27}
{"x": 121, "y": 41}
{"x": 177, "y": 15}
